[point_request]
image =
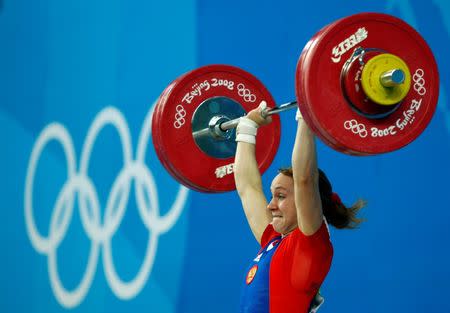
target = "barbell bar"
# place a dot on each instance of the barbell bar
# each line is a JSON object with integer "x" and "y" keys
{"x": 366, "y": 84}
{"x": 219, "y": 124}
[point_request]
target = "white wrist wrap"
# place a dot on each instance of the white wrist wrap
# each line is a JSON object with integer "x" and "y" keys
{"x": 246, "y": 130}
{"x": 298, "y": 115}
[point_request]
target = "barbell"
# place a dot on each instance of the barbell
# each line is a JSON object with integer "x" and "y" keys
{"x": 366, "y": 84}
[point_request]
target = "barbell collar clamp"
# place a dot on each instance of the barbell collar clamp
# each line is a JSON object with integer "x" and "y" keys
{"x": 214, "y": 127}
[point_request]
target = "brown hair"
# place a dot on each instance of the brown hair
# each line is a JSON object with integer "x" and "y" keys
{"x": 335, "y": 212}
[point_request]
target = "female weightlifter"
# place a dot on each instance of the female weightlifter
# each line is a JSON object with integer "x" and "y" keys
{"x": 296, "y": 251}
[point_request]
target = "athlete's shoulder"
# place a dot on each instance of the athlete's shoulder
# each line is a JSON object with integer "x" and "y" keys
{"x": 268, "y": 235}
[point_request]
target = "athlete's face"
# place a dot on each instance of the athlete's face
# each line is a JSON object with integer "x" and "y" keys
{"x": 282, "y": 204}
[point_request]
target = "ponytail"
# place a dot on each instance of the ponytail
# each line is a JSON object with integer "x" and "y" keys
{"x": 340, "y": 216}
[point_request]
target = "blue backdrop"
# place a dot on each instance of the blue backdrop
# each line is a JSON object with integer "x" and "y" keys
{"x": 78, "y": 80}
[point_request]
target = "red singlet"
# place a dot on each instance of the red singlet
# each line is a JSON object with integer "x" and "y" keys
{"x": 296, "y": 270}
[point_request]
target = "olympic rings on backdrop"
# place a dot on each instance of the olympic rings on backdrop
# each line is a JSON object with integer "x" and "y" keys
{"x": 80, "y": 186}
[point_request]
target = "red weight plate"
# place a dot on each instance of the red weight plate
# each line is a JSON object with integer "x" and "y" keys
{"x": 303, "y": 105}
{"x": 156, "y": 136}
{"x": 301, "y": 86}
{"x": 156, "y": 133}
{"x": 157, "y": 129}
{"x": 322, "y": 90}
{"x": 173, "y": 137}
{"x": 182, "y": 179}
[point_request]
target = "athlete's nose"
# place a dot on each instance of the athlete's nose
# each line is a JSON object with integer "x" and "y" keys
{"x": 271, "y": 205}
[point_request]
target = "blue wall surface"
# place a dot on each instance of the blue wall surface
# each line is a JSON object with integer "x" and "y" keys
{"x": 92, "y": 222}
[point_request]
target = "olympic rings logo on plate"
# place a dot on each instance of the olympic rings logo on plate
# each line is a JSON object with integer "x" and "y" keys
{"x": 419, "y": 82}
{"x": 245, "y": 93}
{"x": 79, "y": 187}
{"x": 356, "y": 128}
{"x": 179, "y": 116}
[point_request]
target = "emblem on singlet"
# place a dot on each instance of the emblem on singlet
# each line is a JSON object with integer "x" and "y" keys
{"x": 251, "y": 274}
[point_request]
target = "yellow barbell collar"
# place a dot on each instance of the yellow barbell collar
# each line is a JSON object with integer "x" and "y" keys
{"x": 386, "y": 79}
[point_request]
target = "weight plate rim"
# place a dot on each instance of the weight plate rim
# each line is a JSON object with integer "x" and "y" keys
{"x": 300, "y": 91}
{"x": 265, "y": 162}
{"x": 430, "y": 62}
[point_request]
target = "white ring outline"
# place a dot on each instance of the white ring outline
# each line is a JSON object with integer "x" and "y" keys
{"x": 100, "y": 235}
